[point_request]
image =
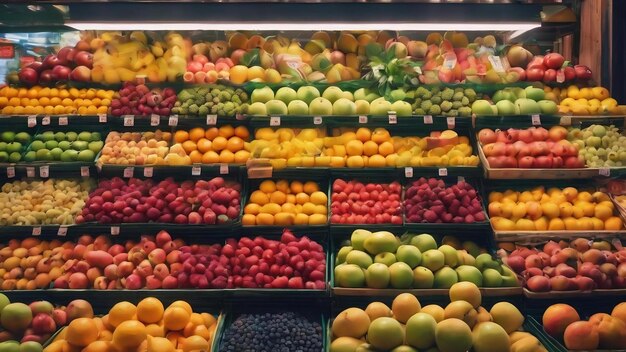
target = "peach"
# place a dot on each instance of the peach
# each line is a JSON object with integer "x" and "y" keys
{"x": 581, "y": 335}
{"x": 612, "y": 331}
{"x": 619, "y": 312}
{"x": 557, "y": 317}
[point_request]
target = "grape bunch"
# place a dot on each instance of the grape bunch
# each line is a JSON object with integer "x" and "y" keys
{"x": 211, "y": 100}
{"x": 601, "y": 146}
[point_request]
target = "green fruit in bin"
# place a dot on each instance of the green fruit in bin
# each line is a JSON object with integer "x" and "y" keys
{"x": 59, "y": 136}
{"x": 71, "y": 136}
{"x": 51, "y": 144}
{"x": 69, "y": 155}
{"x": 86, "y": 155}
{"x": 80, "y": 145}
{"x": 43, "y": 155}
{"x": 22, "y": 137}
{"x": 84, "y": 136}
{"x": 47, "y": 136}
{"x": 3, "y": 146}
{"x": 96, "y": 136}
{"x": 4, "y": 157}
{"x": 14, "y": 147}
{"x": 95, "y": 146}
{"x": 36, "y": 145}
{"x": 7, "y": 136}
{"x": 30, "y": 156}
{"x": 56, "y": 153}
{"x": 15, "y": 157}
{"x": 65, "y": 145}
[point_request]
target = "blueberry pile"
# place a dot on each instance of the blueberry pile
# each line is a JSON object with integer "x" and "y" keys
{"x": 272, "y": 332}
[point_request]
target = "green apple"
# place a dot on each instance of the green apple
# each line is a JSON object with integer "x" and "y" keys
{"x": 36, "y": 145}
{"x": 402, "y": 108}
{"x": 71, "y": 136}
{"x": 257, "y": 109}
{"x": 433, "y": 259}
{"x": 420, "y": 331}
{"x": 298, "y": 107}
{"x": 485, "y": 261}
{"x": 344, "y": 107}
{"x": 471, "y": 274}
{"x": 423, "y": 277}
{"x": 548, "y": 107}
{"x": 445, "y": 277}
{"x": 341, "y": 254}
{"x": 60, "y": 136}
{"x": 10, "y": 346}
{"x": 286, "y": 95}
{"x": 7, "y": 136}
{"x": 381, "y": 241}
{"x": 320, "y": 107}
{"x": 451, "y": 257}
{"x": 492, "y": 278}
{"x": 424, "y": 242}
{"x": 506, "y": 107}
{"x": 503, "y": 94}
{"x": 360, "y": 94}
{"x": 535, "y": 94}
{"x": 86, "y": 155}
{"x": 397, "y": 94}
{"x": 359, "y": 258}
{"x": 56, "y": 153}
{"x": 15, "y": 157}
{"x": 358, "y": 237}
{"x": 482, "y": 107}
{"x": 518, "y": 92}
{"x": 386, "y": 258}
{"x": 349, "y": 275}
{"x": 79, "y": 145}
{"x": 95, "y": 146}
{"x": 362, "y": 107}
{"x": 377, "y": 276}
{"x": 347, "y": 95}
{"x": 262, "y": 95}
{"x": 30, "y": 346}
{"x": 409, "y": 254}
{"x": 276, "y": 107}
{"x": 404, "y": 348}
{"x": 380, "y": 107}
{"x": 401, "y": 275}
{"x": 509, "y": 277}
{"x": 22, "y": 137}
{"x": 69, "y": 155}
{"x": 307, "y": 94}
{"x": 527, "y": 106}
{"x": 471, "y": 248}
{"x": 332, "y": 94}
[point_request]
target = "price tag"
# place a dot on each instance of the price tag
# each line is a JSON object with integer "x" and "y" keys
{"x": 155, "y": 120}
{"x": 240, "y": 117}
{"x": 223, "y": 169}
{"x": 428, "y": 119}
{"x": 317, "y": 120}
{"x": 536, "y": 120}
{"x": 560, "y": 76}
{"x": 451, "y": 122}
{"x": 496, "y": 63}
{"x": 30, "y": 171}
{"x": 44, "y": 171}
{"x": 211, "y": 119}
{"x": 36, "y": 231}
{"x": 63, "y": 120}
{"x": 566, "y": 120}
{"x": 45, "y": 120}
{"x": 460, "y": 179}
{"x": 393, "y": 118}
{"x": 84, "y": 171}
{"x": 173, "y": 121}
{"x": 129, "y": 172}
{"x": 362, "y": 119}
{"x": 32, "y": 121}
{"x": 449, "y": 63}
{"x": 10, "y": 172}
{"x": 604, "y": 171}
{"x": 408, "y": 172}
{"x": 129, "y": 120}
{"x": 443, "y": 172}
{"x": 102, "y": 118}
{"x": 115, "y": 230}
{"x": 148, "y": 171}
{"x": 196, "y": 170}
{"x": 62, "y": 231}
{"x": 275, "y": 121}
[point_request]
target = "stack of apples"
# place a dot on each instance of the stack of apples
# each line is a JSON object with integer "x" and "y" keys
{"x": 355, "y": 202}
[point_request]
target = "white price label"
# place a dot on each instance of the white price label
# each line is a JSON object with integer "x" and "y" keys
{"x": 84, "y": 171}
{"x": 449, "y": 63}
{"x": 36, "y": 231}
{"x": 317, "y": 120}
{"x": 115, "y": 230}
{"x": 63, "y": 120}
{"x": 428, "y": 119}
{"x": 408, "y": 172}
{"x": 173, "y": 121}
{"x": 129, "y": 120}
{"x": 102, "y": 118}
{"x": 129, "y": 172}
{"x": 223, "y": 169}
{"x": 451, "y": 120}
{"x": 393, "y": 118}
{"x": 566, "y": 120}
{"x": 211, "y": 119}
{"x": 496, "y": 63}
{"x": 45, "y": 120}
{"x": 30, "y": 171}
{"x": 148, "y": 171}
{"x": 196, "y": 170}
{"x": 604, "y": 171}
{"x": 443, "y": 172}
{"x": 536, "y": 120}
{"x": 62, "y": 231}
{"x": 362, "y": 119}
{"x": 32, "y": 121}
{"x": 275, "y": 121}
{"x": 10, "y": 172}
{"x": 44, "y": 171}
{"x": 155, "y": 120}
{"x": 460, "y": 179}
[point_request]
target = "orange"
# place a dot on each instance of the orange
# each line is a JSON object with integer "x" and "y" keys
{"x": 181, "y": 136}
{"x": 81, "y": 332}
{"x": 283, "y": 186}
{"x": 613, "y": 223}
{"x": 242, "y": 132}
{"x": 242, "y": 156}
{"x": 311, "y": 187}
{"x": 265, "y": 219}
{"x": 189, "y": 146}
{"x": 248, "y": 219}
{"x": 363, "y": 134}
{"x": 308, "y": 208}
{"x": 195, "y": 156}
{"x": 149, "y": 310}
{"x": 252, "y": 208}
{"x": 278, "y": 197}
{"x": 98, "y": 346}
{"x": 226, "y": 131}
{"x": 385, "y": 148}
{"x": 204, "y": 145}
{"x": 296, "y": 187}
{"x": 182, "y": 304}
{"x": 302, "y": 198}
{"x": 195, "y": 343}
{"x": 234, "y": 144}
{"x": 209, "y": 320}
{"x": 238, "y": 74}
{"x": 255, "y": 72}
{"x": 196, "y": 133}
{"x": 203, "y": 331}
{"x": 227, "y": 157}
{"x": 370, "y": 148}
{"x": 219, "y": 143}
{"x": 210, "y": 157}
{"x": 155, "y": 330}
{"x": 321, "y": 209}
{"x": 120, "y": 312}
{"x": 175, "y": 338}
{"x": 129, "y": 334}
{"x": 291, "y": 199}
{"x": 211, "y": 133}
{"x": 301, "y": 219}
{"x": 317, "y": 219}
{"x": 354, "y": 147}
{"x": 288, "y": 208}
{"x": 259, "y": 197}
{"x": 380, "y": 135}
{"x": 267, "y": 186}
{"x": 270, "y": 208}
{"x": 319, "y": 198}
{"x": 159, "y": 344}
{"x": 377, "y": 160}
{"x": 175, "y": 318}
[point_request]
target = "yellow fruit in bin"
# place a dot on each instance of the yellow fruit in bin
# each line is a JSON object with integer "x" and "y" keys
{"x": 573, "y": 92}
{"x": 585, "y": 93}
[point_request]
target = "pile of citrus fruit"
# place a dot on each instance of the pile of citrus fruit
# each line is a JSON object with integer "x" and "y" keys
{"x": 226, "y": 144}
{"x": 286, "y": 203}
{"x": 44, "y": 100}
{"x": 148, "y": 326}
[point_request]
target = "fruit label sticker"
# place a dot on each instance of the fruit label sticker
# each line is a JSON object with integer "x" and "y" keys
{"x": 211, "y": 119}
{"x": 102, "y": 118}
{"x": 393, "y": 118}
{"x": 604, "y": 171}
{"x": 496, "y": 63}
{"x": 275, "y": 121}
{"x": 155, "y": 120}
{"x": 536, "y": 120}
{"x": 129, "y": 172}
{"x": 451, "y": 120}
{"x": 148, "y": 171}
{"x": 560, "y": 76}
{"x": 408, "y": 172}
{"x": 196, "y": 170}
{"x": 45, "y": 120}
{"x": 449, "y": 63}
{"x": 129, "y": 120}
{"x": 63, "y": 121}
{"x": 44, "y": 171}
{"x": 62, "y": 231}
{"x": 173, "y": 121}
{"x": 443, "y": 172}
{"x": 84, "y": 171}
{"x": 10, "y": 172}
{"x": 115, "y": 230}
{"x": 317, "y": 120}
{"x": 428, "y": 119}
{"x": 30, "y": 171}
{"x": 32, "y": 121}
{"x": 223, "y": 169}
{"x": 362, "y": 119}
{"x": 36, "y": 231}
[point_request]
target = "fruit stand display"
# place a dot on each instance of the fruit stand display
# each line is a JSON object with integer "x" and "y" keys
{"x": 342, "y": 191}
